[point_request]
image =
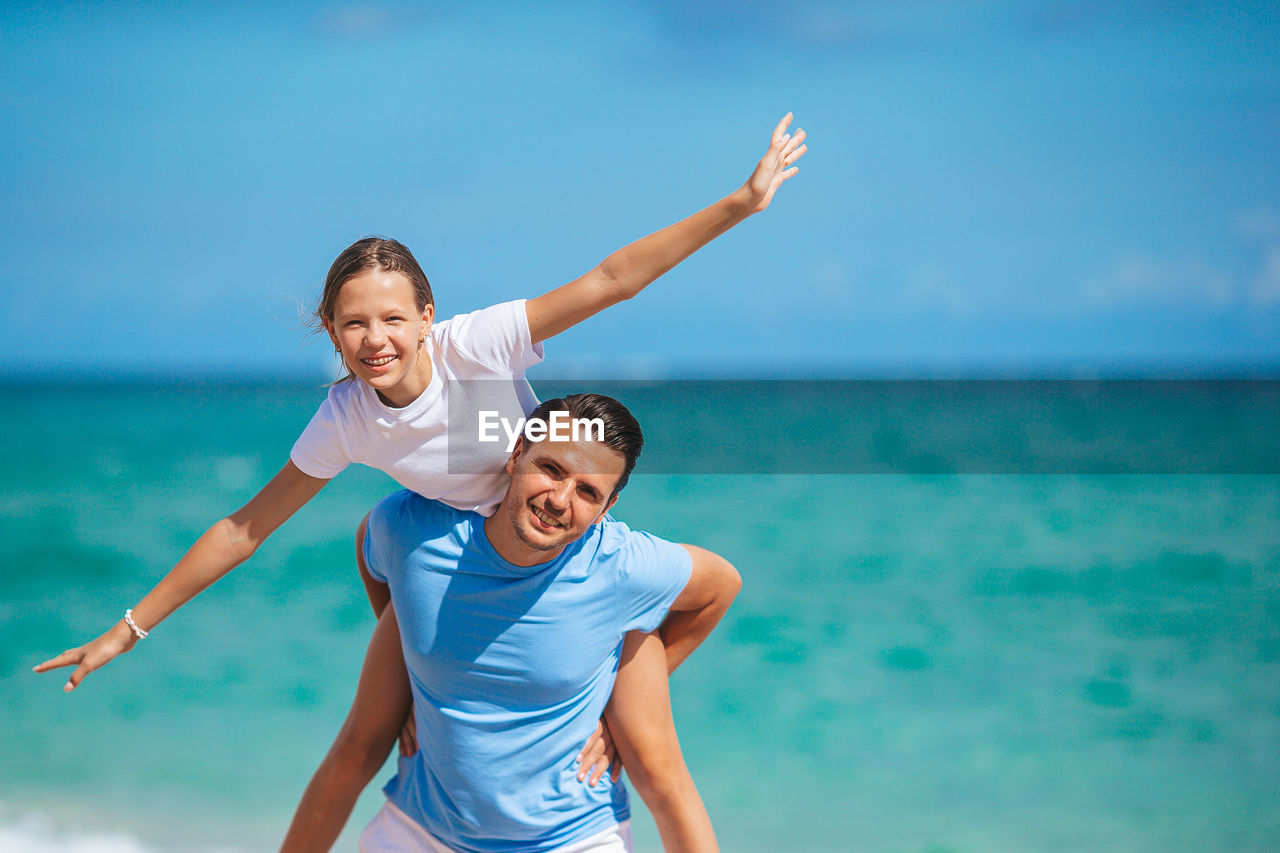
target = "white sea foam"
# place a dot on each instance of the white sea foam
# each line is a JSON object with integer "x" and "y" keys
{"x": 37, "y": 833}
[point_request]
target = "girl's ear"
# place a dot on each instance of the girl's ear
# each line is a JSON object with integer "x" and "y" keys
{"x": 428, "y": 314}
{"x": 333, "y": 338}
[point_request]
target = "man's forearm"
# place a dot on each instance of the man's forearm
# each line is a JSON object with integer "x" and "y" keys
{"x": 683, "y": 631}
{"x": 712, "y": 586}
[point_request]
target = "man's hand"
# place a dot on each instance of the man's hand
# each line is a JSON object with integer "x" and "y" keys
{"x": 597, "y": 755}
{"x": 775, "y": 167}
{"x": 92, "y": 655}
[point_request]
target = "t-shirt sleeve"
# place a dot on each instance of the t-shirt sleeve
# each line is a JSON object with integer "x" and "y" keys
{"x": 651, "y": 576}
{"x": 321, "y": 451}
{"x": 379, "y": 539}
{"x": 496, "y": 338}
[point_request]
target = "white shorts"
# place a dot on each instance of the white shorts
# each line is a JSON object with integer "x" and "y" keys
{"x": 393, "y": 831}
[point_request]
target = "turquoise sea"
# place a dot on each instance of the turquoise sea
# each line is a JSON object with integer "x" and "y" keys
{"x": 1029, "y": 635}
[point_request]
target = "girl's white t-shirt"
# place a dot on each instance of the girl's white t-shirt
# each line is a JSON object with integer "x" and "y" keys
{"x": 478, "y": 356}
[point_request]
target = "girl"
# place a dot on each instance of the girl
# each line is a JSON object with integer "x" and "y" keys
{"x": 389, "y": 412}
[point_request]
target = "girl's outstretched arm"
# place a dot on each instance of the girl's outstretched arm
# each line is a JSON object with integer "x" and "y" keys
{"x": 225, "y": 545}
{"x": 632, "y": 268}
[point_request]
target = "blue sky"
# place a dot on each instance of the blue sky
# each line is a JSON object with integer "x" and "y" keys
{"x": 1013, "y": 186}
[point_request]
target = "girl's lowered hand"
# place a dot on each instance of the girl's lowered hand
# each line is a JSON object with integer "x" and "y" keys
{"x": 92, "y": 655}
{"x": 598, "y": 755}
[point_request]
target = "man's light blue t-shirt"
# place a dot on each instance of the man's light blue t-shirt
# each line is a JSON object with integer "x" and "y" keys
{"x": 511, "y": 667}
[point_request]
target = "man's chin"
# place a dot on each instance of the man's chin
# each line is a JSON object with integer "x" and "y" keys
{"x": 532, "y": 535}
{"x": 540, "y": 540}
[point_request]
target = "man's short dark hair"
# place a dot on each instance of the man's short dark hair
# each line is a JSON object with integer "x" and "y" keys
{"x": 621, "y": 429}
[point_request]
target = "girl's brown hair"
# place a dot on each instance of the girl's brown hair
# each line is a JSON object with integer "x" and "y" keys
{"x": 380, "y": 253}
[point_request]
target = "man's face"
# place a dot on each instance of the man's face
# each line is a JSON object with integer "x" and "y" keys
{"x": 559, "y": 489}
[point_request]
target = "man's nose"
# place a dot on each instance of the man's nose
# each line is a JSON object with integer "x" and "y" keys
{"x": 559, "y": 496}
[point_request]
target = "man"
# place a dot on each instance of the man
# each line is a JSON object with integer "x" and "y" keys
{"x": 512, "y": 627}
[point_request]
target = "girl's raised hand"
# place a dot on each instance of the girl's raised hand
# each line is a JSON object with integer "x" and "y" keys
{"x": 775, "y": 167}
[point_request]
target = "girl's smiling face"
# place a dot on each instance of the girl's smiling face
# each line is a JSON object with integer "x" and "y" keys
{"x": 381, "y": 332}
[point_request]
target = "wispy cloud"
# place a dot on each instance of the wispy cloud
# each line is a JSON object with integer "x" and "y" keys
{"x": 934, "y": 286}
{"x": 827, "y": 24}
{"x": 834, "y": 284}
{"x": 1265, "y": 288}
{"x": 834, "y": 24}
{"x": 1136, "y": 277}
{"x": 363, "y": 20}
{"x": 1259, "y": 224}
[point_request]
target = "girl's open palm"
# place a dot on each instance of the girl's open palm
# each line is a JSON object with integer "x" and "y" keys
{"x": 776, "y": 165}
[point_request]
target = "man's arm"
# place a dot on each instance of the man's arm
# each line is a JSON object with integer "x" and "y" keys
{"x": 378, "y": 592}
{"x": 713, "y": 584}
{"x": 634, "y": 267}
{"x": 379, "y": 597}
{"x": 367, "y": 735}
{"x": 639, "y": 711}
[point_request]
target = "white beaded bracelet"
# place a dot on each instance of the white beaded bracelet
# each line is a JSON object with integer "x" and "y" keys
{"x": 128, "y": 620}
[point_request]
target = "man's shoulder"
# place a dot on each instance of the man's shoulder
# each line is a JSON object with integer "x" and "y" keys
{"x": 406, "y": 511}
{"x": 649, "y": 571}
{"x": 615, "y": 539}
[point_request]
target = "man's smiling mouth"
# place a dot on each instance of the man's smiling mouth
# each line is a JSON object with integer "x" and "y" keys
{"x": 544, "y": 518}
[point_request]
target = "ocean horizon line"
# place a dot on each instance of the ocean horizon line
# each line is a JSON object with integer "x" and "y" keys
{"x": 631, "y": 370}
